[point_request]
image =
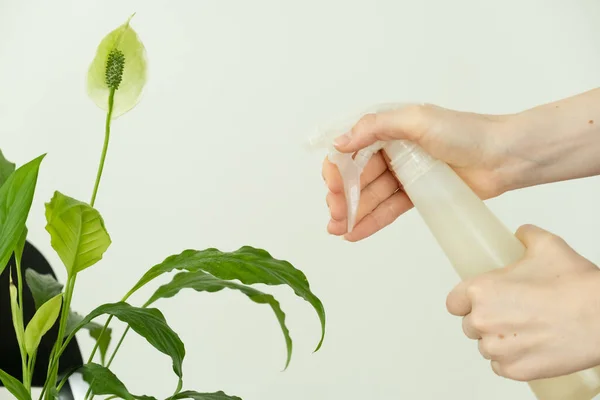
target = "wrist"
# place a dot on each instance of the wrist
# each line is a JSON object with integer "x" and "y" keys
{"x": 548, "y": 144}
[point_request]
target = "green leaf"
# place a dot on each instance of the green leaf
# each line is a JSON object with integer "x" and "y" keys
{"x": 16, "y": 196}
{"x": 192, "y": 394}
{"x": 148, "y": 323}
{"x": 119, "y": 63}
{"x": 77, "y": 232}
{"x": 248, "y": 265}
{"x": 16, "y": 315}
{"x": 203, "y": 282}
{"x": 42, "y": 321}
{"x": 103, "y": 382}
{"x": 43, "y": 287}
{"x": 14, "y": 386}
{"x": 6, "y": 168}
{"x": 95, "y": 330}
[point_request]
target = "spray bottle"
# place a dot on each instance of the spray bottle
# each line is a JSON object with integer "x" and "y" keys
{"x": 474, "y": 240}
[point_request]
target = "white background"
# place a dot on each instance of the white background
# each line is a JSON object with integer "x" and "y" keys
{"x": 214, "y": 156}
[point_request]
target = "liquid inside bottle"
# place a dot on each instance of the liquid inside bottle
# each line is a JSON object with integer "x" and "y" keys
{"x": 474, "y": 240}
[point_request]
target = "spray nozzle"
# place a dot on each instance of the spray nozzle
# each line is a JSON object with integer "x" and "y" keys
{"x": 351, "y": 165}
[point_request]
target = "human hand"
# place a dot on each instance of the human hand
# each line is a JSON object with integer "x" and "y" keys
{"x": 477, "y": 146}
{"x": 538, "y": 318}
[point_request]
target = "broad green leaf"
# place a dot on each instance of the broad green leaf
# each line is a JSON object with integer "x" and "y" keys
{"x": 249, "y": 265}
{"x": 77, "y": 232}
{"x": 148, "y": 323}
{"x": 103, "y": 381}
{"x": 203, "y": 282}
{"x": 192, "y": 394}
{"x": 120, "y": 64}
{"x": 95, "y": 331}
{"x": 6, "y": 168}
{"x": 42, "y": 321}
{"x": 43, "y": 287}
{"x": 14, "y": 386}
{"x": 17, "y": 315}
{"x": 16, "y": 196}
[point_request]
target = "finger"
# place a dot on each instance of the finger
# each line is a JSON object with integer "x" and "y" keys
{"x": 404, "y": 123}
{"x": 374, "y": 168}
{"x": 370, "y": 197}
{"x": 383, "y": 215}
{"x": 482, "y": 349}
{"x": 497, "y": 368}
{"x": 376, "y": 193}
{"x": 458, "y": 302}
{"x": 468, "y": 328}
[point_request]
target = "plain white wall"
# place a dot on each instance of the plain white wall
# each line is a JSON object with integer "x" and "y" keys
{"x": 214, "y": 156}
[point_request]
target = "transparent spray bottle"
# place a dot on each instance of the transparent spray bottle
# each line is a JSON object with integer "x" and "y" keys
{"x": 474, "y": 240}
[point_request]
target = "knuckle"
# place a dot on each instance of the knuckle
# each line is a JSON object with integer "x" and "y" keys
{"x": 514, "y": 371}
{"x": 549, "y": 238}
{"x": 476, "y": 289}
{"x": 490, "y": 349}
{"x": 468, "y": 329}
{"x": 372, "y": 197}
{"x": 478, "y": 322}
{"x": 450, "y": 304}
{"x": 366, "y": 123}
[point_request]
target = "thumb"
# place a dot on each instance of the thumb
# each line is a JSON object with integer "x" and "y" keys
{"x": 408, "y": 123}
{"x": 531, "y": 236}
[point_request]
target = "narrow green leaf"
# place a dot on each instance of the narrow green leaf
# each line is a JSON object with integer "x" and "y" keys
{"x": 249, "y": 265}
{"x": 103, "y": 381}
{"x": 43, "y": 287}
{"x": 6, "y": 168}
{"x": 77, "y": 232}
{"x": 16, "y": 315}
{"x": 42, "y": 321}
{"x": 148, "y": 323}
{"x": 14, "y": 386}
{"x": 203, "y": 282}
{"x": 94, "y": 329}
{"x": 16, "y": 195}
{"x": 192, "y": 394}
{"x": 119, "y": 64}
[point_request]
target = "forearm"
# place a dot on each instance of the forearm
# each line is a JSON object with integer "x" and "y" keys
{"x": 556, "y": 141}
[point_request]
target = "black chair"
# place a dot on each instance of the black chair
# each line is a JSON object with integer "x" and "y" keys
{"x": 10, "y": 357}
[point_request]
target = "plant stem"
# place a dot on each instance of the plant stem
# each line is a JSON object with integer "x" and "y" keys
{"x": 66, "y": 378}
{"x": 56, "y": 353}
{"x": 102, "y": 332}
{"x": 112, "y": 357}
{"x": 111, "y": 102}
{"x": 24, "y": 368}
{"x": 30, "y": 368}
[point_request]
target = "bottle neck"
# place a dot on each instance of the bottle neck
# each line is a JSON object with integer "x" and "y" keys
{"x": 408, "y": 161}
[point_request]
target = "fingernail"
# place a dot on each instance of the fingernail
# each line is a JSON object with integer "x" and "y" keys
{"x": 343, "y": 140}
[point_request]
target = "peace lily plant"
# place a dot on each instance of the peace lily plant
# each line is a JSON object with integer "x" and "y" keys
{"x": 79, "y": 236}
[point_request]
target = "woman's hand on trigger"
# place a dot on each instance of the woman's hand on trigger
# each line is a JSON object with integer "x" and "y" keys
{"x": 475, "y": 145}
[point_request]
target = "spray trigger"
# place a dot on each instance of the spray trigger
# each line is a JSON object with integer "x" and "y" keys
{"x": 349, "y": 165}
